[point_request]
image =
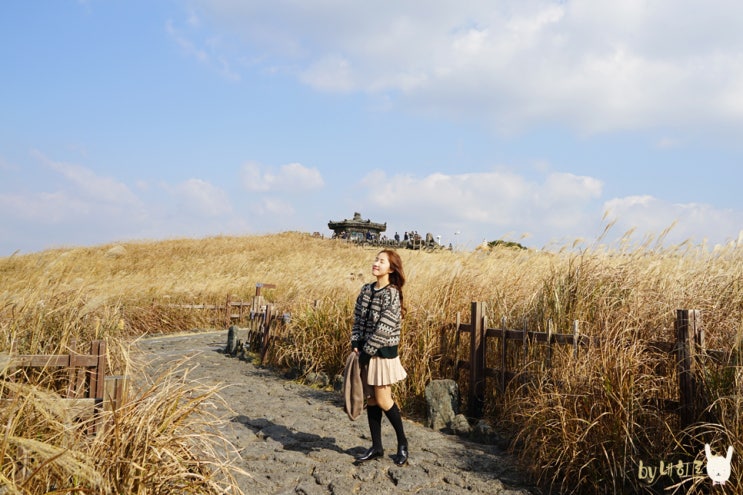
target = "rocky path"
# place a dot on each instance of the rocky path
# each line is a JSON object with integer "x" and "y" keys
{"x": 295, "y": 439}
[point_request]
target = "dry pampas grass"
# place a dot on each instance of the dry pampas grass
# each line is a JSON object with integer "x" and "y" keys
{"x": 583, "y": 427}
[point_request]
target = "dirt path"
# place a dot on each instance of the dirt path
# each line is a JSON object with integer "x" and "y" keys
{"x": 295, "y": 439}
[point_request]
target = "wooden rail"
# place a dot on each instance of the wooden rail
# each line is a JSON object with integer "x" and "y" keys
{"x": 234, "y": 311}
{"x": 80, "y": 379}
{"x": 262, "y": 322}
{"x": 476, "y": 365}
{"x": 258, "y": 336}
{"x": 688, "y": 350}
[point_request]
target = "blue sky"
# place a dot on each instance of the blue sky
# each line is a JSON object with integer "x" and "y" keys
{"x": 535, "y": 121}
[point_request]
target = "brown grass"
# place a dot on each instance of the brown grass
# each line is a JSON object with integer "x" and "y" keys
{"x": 583, "y": 427}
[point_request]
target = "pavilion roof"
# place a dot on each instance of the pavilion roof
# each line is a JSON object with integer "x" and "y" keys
{"x": 357, "y": 223}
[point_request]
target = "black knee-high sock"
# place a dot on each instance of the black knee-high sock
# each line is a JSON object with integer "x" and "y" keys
{"x": 393, "y": 414}
{"x": 374, "y": 415}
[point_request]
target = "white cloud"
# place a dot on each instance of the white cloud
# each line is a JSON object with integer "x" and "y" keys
{"x": 209, "y": 52}
{"x": 597, "y": 65}
{"x": 648, "y": 216}
{"x": 90, "y": 184}
{"x": 45, "y": 208}
{"x": 202, "y": 198}
{"x": 72, "y": 206}
{"x": 188, "y": 46}
{"x": 565, "y": 187}
{"x": 75, "y": 204}
{"x": 489, "y": 204}
{"x": 293, "y": 177}
{"x": 82, "y": 205}
{"x": 275, "y": 206}
{"x": 553, "y": 209}
{"x": 331, "y": 73}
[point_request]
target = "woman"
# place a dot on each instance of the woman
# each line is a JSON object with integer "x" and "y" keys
{"x": 375, "y": 337}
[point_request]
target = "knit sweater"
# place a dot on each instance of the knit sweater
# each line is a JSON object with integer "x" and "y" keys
{"x": 377, "y": 321}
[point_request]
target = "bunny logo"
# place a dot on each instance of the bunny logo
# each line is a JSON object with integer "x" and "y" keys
{"x": 718, "y": 467}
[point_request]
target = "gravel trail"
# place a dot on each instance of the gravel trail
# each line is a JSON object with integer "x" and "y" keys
{"x": 296, "y": 439}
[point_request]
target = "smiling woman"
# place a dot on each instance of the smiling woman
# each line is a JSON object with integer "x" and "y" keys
{"x": 375, "y": 338}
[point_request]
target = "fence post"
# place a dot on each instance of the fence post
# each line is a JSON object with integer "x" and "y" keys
{"x": 266, "y": 337}
{"x": 98, "y": 349}
{"x": 689, "y": 340}
{"x": 525, "y": 340}
{"x": 576, "y": 338}
{"x": 227, "y": 312}
{"x": 503, "y": 355}
{"x": 457, "y": 330}
{"x": 477, "y": 355}
{"x": 116, "y": 390}
{"x": 240, "y": 312}
{"x": 549, "y": 344}
{"x": 75, "y": 376}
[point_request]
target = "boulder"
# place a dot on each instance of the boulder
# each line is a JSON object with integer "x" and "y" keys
{"x": 460, "y": 426}
{"x": 318, "y": 379}
{"x": 483, "y": 429}
{"x": 442, "y": 401}
{"x": 116, "y": 252}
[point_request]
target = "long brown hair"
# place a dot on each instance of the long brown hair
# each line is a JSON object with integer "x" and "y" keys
{"x": 397, "y": 276}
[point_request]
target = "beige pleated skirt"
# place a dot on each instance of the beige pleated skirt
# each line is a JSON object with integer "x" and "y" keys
{"x": 381, "y": 371}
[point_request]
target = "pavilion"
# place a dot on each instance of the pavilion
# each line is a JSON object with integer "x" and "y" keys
{"x": 356, "y": 229}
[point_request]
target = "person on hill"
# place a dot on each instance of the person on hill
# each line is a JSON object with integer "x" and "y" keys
{"x": 375, "y": 336}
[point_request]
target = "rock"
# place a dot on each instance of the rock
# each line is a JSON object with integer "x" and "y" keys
{"x": 292, "y": 374}
{"x": 460, "y": 425}
{"x": 483, "y": 429}
{"x": 116, "y": 252}
{"x": 318, "y": 379}
{"x": 442, "y": 401}
{"x": 231, "y": 348}
{"x": 338, "y": 383}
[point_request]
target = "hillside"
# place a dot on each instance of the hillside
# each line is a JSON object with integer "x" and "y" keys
{"x": 122, "y": 291}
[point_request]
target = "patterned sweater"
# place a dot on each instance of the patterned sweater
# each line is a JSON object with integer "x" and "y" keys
{"x": 377, "y": 321}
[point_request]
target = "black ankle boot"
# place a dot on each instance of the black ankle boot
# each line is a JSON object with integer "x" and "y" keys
{"x": 393, "y": 414}
{"x": 374, "y": 415}
{"x": 402, "y": 455}
{"x": 371, "y": 453}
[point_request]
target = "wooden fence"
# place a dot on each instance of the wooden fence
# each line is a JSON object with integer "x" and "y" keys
{"x": 261, "y": 321}
{"x": 233, "y": 312}
{"x": 688, "y": 348}
{"x": 257, "y": 337}
{"x": 80, "y": 379}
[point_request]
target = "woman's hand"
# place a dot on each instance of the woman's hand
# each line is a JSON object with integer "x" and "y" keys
{"x": 364, "y": 358}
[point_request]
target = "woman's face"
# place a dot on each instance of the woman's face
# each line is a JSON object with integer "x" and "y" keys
{"x": 381, "y": 265}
